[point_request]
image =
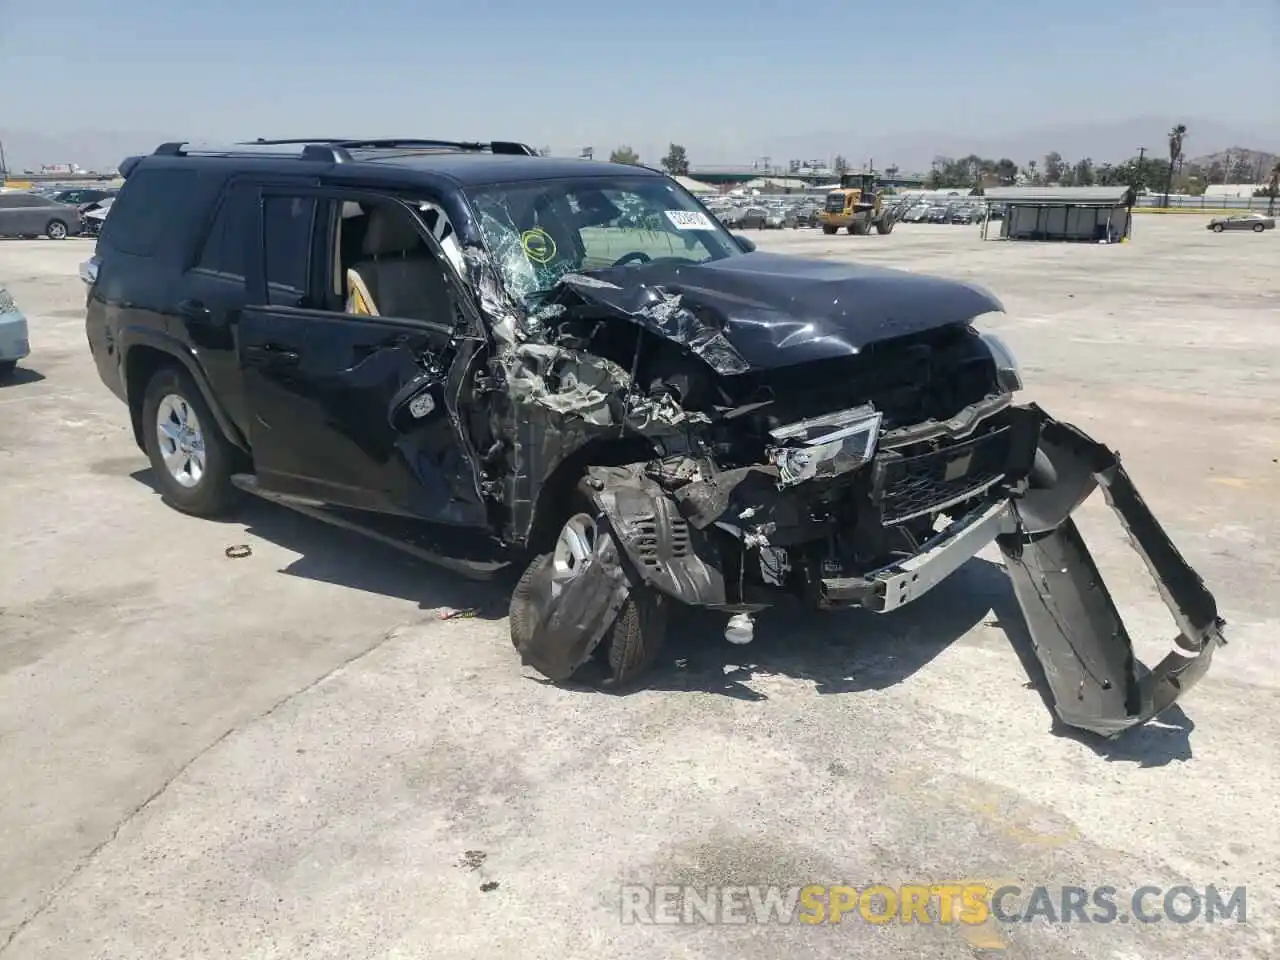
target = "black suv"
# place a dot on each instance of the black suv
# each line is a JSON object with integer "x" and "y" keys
{"x": 485, "y": 356}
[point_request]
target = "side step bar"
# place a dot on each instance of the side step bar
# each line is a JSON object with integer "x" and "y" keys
{"x": 480, "y": 570}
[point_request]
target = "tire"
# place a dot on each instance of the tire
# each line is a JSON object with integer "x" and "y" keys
{"x": 884, "y": 227}
{"x": 6, "y": 368}
{"x": 56, "y": 230}
{"x": 1217, "y": 228}
{"x": 828, "y": 229}
{"x": 1258, "y": 228}
{"x": 628, "y": 648}
{"x": 211, "y": 492}
{"x": 859, "y": 228}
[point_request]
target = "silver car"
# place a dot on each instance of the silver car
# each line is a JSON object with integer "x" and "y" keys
{"x": 1243, "y": 221}
{"x": 13, "y": 334}
{"x": 31, "y": 215}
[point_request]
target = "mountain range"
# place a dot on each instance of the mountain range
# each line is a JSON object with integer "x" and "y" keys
{"x": 1103, "y": 141}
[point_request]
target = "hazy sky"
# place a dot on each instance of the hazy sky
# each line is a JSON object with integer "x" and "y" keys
{"x": 567, "y": 73}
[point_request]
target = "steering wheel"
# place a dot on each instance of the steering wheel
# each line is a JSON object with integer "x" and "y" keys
{"x": 639, "y": 256}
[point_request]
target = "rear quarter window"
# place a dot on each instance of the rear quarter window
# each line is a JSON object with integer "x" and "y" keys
{"x": 149, "y": 200}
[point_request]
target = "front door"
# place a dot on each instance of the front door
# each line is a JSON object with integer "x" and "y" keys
{"x": 352, "y": 361}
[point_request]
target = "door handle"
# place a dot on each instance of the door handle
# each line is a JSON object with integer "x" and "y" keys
{"x": 194, "y": 310}
{"x": 274, "y": 355}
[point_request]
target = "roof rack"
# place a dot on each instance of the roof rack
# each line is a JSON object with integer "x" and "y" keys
{"x": 335, "y": 149}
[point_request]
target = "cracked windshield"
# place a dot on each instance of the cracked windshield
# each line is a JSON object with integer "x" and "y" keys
{"x": 539, "y": 232}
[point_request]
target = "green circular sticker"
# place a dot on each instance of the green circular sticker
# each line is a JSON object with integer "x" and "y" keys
{"x": 538, "y": 245}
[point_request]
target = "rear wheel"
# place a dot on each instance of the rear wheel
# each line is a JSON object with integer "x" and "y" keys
{"x": 828, "y": 229}
{"x": 631, "y": 644}
{"x": 1218, "y": 228}
{"x": 56, "y": 230}
{"x": 191, "y": 459}
{"x": 884, "y": 227}
{"x": 859, "y": 228}
{"x": 1258, "y": 228}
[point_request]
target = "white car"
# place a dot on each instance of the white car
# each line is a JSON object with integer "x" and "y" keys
{"x": 13, "y": 334}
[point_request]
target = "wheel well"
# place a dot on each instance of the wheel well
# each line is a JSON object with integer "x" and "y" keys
{"x": 557, "y": 490}
{"x": 141, "y": 365}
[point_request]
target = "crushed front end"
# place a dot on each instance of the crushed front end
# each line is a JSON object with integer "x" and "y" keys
{"x": 863, "y": 477}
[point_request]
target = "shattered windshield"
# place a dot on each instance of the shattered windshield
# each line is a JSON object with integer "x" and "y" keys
{"x": 538, "y": 232}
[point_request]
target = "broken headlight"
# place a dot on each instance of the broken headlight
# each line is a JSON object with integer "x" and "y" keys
{"x": 1008, "y": 375}
{"x": 825, "y": 446}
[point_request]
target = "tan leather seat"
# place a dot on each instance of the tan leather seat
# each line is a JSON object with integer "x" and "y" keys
{"x": 399, "y": 276}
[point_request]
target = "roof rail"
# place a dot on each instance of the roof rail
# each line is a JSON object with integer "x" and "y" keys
{"x": 333, "y": 149}
{"x": 496, "y": 146}
{"x": 322, "y": 151}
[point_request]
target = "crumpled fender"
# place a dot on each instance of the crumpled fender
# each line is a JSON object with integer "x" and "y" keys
{"x": 1080, "y": 639}
{"x": 666, "y": 552}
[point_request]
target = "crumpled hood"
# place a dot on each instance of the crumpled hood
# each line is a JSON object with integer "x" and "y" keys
{"x": 764, "y": 311}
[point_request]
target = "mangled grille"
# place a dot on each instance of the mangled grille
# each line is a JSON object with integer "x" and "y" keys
{"x": 912, "y": 486}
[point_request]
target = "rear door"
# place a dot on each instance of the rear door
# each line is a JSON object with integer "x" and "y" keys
{"x": 329, "y": 392}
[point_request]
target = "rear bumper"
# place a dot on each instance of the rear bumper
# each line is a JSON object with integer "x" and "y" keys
{"x": 14, "y": 337}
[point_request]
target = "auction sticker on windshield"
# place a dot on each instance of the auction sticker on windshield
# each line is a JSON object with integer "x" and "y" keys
{"x": 689, "y": 220}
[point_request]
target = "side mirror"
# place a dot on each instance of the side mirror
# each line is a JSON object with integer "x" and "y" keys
{"x": 745, "y": 243}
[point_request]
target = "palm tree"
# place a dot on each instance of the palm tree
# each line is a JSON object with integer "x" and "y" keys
{"x": 1176, "y": 136}
{"x": 1273, "y": 187}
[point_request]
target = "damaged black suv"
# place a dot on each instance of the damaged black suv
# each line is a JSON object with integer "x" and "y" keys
{"x": 489, "y": 357}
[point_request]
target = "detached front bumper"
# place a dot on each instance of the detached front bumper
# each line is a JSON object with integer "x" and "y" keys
{"x": 1080, "y": 639}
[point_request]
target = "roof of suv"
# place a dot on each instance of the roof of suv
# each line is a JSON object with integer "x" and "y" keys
{"x": 465, "y": 163}
{"x": 480, "y": 168}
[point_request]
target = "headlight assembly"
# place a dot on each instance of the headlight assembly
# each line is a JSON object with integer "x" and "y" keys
{"x": 1008, "y": 374}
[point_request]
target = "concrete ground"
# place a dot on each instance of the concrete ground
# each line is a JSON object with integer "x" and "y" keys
{"x": 294, "y": 755}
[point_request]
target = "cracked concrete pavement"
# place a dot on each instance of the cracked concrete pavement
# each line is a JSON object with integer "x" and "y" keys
{"x": 292, "y": 755}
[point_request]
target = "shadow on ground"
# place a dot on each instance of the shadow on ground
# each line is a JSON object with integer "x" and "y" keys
{"x": 328, "y": 554}
{"x": 20, "y": 375}
{"x": 839, "y": 651}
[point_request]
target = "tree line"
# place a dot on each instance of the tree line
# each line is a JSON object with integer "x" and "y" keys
{"x": 1169, "y": 174}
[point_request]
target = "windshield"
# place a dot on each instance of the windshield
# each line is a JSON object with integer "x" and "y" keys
{"x": 538, "y": 232}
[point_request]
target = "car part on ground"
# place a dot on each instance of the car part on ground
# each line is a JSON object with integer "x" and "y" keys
{"x": 579, "y": 364}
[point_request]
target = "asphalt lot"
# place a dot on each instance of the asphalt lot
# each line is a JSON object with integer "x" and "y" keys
{"x": 291, "y": 754}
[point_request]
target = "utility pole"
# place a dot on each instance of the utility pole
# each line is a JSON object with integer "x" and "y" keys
{"x": 1140, "y": 175}
{"x": 4, "y": 167}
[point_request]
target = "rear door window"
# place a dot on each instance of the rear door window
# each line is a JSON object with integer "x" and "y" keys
{"x": 287, "y": 229}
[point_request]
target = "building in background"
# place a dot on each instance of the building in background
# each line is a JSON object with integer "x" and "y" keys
{"x": 1080, "y": 214}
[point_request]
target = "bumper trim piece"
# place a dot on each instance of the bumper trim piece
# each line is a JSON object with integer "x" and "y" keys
{"x": 897, "y": 585}
{"x": 1079, "y": 637}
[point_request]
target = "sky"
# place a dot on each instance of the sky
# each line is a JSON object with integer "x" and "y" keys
{"x": 716, "y": 76}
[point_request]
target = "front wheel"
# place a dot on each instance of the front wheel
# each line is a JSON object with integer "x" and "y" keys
{"x": 1258, "y": 228}
{"x": 828, "y": 229}
{"x": 1218, "y": 228}
{"x": 631, "y": 643}
{"x": 56, "y": 230}
{"x": 191, "y": 459}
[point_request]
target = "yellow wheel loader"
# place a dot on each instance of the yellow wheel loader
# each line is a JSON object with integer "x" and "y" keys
{"x": 856, "y": 205}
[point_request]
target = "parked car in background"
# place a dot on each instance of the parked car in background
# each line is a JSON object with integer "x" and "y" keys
{"x": 964, "y": 214}
{"x": 13, "y": 334}
{"x": 79, "y": 196}
{"x": 1256, "y": 222}
{"x": 31, "y": 215}
{"x": 94, "y": 215}
{"x": 938, "y": 214}
{"x": 917, "y": 213}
